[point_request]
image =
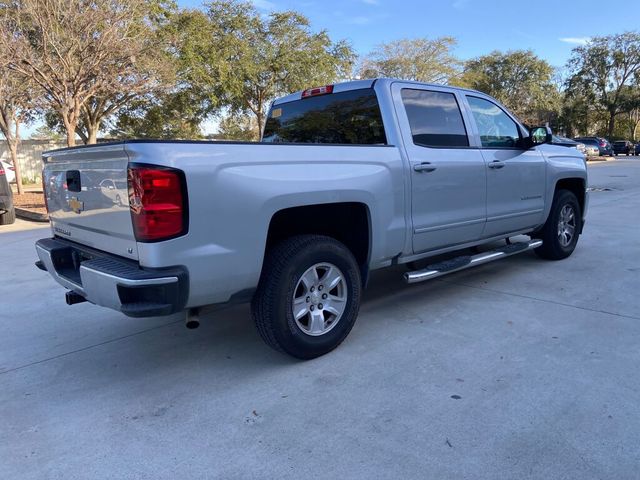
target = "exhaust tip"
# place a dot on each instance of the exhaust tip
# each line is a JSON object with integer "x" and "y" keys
{"x": 192, "y": 320}
{"x": 192, "y": 324}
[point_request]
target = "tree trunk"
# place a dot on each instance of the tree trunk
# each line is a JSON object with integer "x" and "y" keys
{"x": 92, "y": 134}
{"x": 611, "y": 125}
{"x": 260, "y": 121}
{"x": 13, "y": 148}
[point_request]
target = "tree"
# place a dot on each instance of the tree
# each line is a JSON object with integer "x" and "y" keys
{"x": 172, "y": 116}
{"x": 178, "y": 111}
{"x": 605, "y": 66}
{"x": 243, "y": 60}
{"x": 17, "y": 104}
{"x": 238, "y": 127}
{"x": 420, "y": 59}
{"x": 88, "y": 57}
{"x": 519, "y": 79}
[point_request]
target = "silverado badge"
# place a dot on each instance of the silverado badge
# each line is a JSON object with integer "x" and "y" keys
{"x": 75, "y": 204}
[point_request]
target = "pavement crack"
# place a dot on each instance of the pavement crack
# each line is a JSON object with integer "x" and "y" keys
{"x": 555, "y": 302}
{"x": 89, "y": 347}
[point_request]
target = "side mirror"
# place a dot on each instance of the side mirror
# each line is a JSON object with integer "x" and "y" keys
{"x": 540, "y": 135}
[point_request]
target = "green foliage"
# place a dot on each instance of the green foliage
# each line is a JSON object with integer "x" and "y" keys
{"x": 44, "y": 132}
{"x": 238, "y": 127}
{"x": 603, "y": 70}
{"x": 172, "y": 116}
{"x": 245, "y": 59}
{"x": 419, "y": 59}
{"x": 520, "y": 80}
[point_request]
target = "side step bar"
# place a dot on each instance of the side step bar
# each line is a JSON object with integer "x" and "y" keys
{"x": 467, "y": 261}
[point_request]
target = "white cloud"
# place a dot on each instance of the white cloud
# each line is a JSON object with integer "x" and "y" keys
{"x": 361, "y": 20}
{"x": 264, "y": 4}
{"x": 575, "y": 40}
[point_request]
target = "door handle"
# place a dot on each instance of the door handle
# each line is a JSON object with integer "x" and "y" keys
{"x": 496, "y": 164}
{"x": 424, "y": 167}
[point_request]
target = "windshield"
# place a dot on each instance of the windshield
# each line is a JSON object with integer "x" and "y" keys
{"x": 351, "y": 117}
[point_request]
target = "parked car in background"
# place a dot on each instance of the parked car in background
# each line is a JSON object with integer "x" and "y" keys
{"x": 603, "y": 145}
{"x": 623, "y": 147}
{"x": 567, "y": 142}
{"x": 592, "y": 151}
{"x": 7, "y": 212}
{"x": 636, "y": 151}
{"x": 9, "y": 171}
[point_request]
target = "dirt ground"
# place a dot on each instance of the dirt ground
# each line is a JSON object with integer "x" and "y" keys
{"x": 31, "y": 201}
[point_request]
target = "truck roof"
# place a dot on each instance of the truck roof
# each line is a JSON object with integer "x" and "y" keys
{"x": 367, "y": 83}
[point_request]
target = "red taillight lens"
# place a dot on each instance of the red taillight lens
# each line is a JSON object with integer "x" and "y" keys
{"x": 2, "y": 171}
{"x": 158, "y": 203}
{"x": 602, "y": 144}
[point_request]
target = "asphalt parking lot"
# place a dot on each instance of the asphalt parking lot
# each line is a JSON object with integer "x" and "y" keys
{"x": 516, "y": 369}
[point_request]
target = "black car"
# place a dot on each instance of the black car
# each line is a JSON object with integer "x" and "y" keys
{"x": 637, "y": 149}
{"x": 623, "y": 147}
{"x": 7, "y": 212}
{"x": 604, "y": 147}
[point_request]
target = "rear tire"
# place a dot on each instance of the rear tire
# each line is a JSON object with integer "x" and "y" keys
{"x": 561, "y": 231}
{"x": 299, "y": 274}
{"x": 8, "y": 218}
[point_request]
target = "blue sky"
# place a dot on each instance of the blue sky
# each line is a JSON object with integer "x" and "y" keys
{"x": 549, "y": 28}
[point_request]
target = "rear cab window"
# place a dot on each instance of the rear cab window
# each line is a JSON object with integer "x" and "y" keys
{"x": 349, "y": 117}
{"x": 434, "y": 118}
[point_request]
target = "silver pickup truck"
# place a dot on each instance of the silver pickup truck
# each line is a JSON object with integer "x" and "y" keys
{"x": 348, "y": 178}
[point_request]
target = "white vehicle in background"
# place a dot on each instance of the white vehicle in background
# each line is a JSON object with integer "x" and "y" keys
{"x": 9, "y": 171}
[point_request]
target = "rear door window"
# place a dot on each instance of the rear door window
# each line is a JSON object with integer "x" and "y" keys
{"x": 350, "y": 117}
{"x": 434, "y": 118}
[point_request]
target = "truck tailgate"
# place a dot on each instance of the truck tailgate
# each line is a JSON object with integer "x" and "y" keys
{"x": 87, "y": 197}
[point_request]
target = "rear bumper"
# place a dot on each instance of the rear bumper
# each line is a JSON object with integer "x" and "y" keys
{"x": 114, "y": 282}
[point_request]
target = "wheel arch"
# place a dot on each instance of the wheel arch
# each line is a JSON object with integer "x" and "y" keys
{"x": 347, "y": 222}
{"x": 577, "y": 186}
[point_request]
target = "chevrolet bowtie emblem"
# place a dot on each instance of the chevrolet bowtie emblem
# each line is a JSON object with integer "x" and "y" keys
{"x": 75, "y": 204}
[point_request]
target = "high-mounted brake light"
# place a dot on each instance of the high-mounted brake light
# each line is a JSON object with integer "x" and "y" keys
{"x": 158, "y": 202}
{"x": 313, "y": 92}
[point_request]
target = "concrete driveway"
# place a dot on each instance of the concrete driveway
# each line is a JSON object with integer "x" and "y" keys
{"x": 517, "y": 369}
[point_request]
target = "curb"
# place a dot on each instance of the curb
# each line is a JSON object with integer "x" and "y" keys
{"x": 33, "y": 216}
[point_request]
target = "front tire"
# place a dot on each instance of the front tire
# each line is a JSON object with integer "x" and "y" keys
{"x": 308, "y": 296}
{"x": 561, "y": 231}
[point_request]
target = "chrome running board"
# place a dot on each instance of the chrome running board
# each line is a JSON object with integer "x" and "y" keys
{"x": 467, "y": 261}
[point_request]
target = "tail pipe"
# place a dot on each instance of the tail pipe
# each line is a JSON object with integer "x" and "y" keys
{"x": 72, "y": 298}
{"x": 192, "y": 320}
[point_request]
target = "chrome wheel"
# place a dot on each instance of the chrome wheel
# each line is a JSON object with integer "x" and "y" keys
{"x": 319, "y": 299}
{"x": 566, "y": 225}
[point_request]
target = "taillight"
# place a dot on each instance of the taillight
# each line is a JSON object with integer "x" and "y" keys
{"x": 158, "y": 202}
{"x": 313, "y": 92}
{"x": 2, "y": 171}
{"x": 602, "y": 144}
